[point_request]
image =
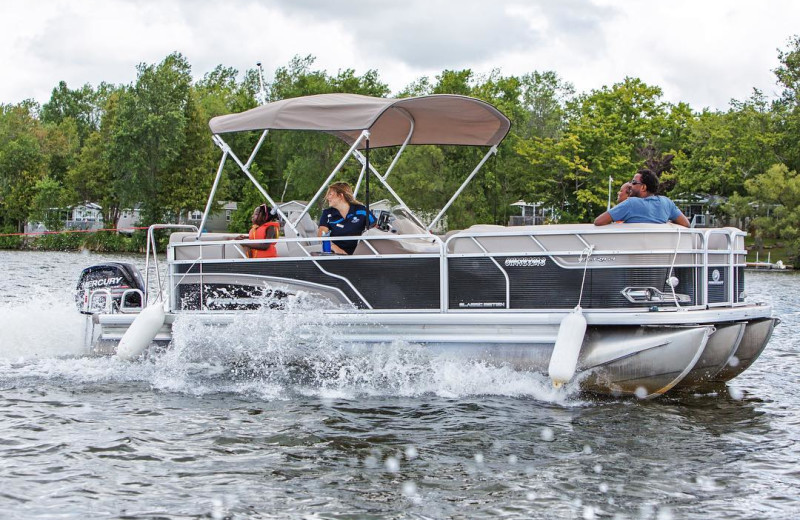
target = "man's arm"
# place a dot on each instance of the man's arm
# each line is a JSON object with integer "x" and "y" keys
{"x": 603, "y": 220}
{"x": 682, "y": 220}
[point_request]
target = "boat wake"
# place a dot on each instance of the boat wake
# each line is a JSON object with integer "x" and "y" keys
{"x": 41, "y": 324}
{"x": 263, "y": 354}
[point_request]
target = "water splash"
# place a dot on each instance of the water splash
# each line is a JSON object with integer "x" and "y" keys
{"x": 40, "y": 324}
{"x": 299, "y": 351}
{"x": 269, "y": 354}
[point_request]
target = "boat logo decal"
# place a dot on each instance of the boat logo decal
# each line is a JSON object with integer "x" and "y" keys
{"x": 102, "y": 282}
{"x": 602, "y": 259}
{"x": 535, "y": 261}
{"x": 481, "y": 305}
{"x": 715, "y": 278}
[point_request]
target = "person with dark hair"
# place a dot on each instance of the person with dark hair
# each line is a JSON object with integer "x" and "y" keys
{"x": 624, "y": 192}
{"x": 345, "y": 217}
{"x": 643, "y": 205}
{"x": 265, "y": 226}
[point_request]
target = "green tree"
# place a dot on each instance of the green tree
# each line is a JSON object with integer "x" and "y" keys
{"x": 544, "y": 98}
{"x": 776, "y": 198}
{"x": 79, "y": 106}
{"x": 787, "y": 108}
{"x": 724, "y": 150}
{"x": 23, "y": 162}
{"x": 150, "y": 135}
{"x": 47, "y": 203}
{"x": 611, "y": 125}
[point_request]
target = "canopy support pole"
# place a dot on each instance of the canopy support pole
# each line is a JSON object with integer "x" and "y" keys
{"x": 492, "y": 151}
{"x": 405, "y": 143}
{"x": 246, "y": 170}
{"x": 211, "y": 195}
{"x": 366, "y": 184}
{"x": 389, "y": 189}
{"x": 360, "y": 178}
{"x": 207, "y": 211}
{"x": 324, "y": 187}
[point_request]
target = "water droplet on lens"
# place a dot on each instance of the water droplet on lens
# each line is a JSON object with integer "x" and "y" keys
{"x": 409, "y": 489}
{"x": 530, "y": 495}
{"x": 604, "y": 488}
{"x": 733, "y": 361}
{"x": 598, "y": 468}
{"x": 217, "y": 509}
{"x": 587, "y": 450}
{"x": 411, "y": 453}
{"x": 547, "y": 434}
{"x": 392, "y": 465}
{"x": 512, "y": 459}
{"x": 370, "y": 462}
{"x": 736, "y": 393}
{"x": 641, "y": 392}
{"x": 479, "y": 458}
{"x": 664, "y": 513}
{"x": 588, "y": 513}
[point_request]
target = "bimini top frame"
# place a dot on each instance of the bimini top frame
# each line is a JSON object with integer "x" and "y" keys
{"x": 366, "y": 122}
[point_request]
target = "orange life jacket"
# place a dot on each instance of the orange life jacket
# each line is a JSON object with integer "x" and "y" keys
{"x": 260, "y": 233}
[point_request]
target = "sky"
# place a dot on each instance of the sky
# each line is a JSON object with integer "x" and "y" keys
{"x": 702, "y": 52}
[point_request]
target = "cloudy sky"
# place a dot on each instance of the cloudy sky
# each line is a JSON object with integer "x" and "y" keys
{"x": 704, "y": 52}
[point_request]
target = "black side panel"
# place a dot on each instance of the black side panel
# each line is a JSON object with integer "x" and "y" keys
{"x": 408, "y": 283}
{"x": 475, "y": 283}
{"x": 541, "y": 283}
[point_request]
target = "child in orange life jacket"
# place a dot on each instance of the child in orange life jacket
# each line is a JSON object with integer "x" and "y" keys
{"x": 265, "y": 225}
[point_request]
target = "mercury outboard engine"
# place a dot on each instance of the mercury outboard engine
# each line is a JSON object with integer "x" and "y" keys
{"x": 117, "y": 282}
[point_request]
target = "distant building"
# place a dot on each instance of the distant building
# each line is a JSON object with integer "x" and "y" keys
{"x": 700, "y": 209}
{"x": 128, "y": 219}
{"x": 533, "y": 214}
{"x": 86, "y": 216}
{"x": 217, "y": 222}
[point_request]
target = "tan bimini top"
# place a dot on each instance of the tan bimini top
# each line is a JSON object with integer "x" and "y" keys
{"x": 438, "y": 119}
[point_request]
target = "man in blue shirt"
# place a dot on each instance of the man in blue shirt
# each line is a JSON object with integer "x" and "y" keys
{"x": 643, "y": 205}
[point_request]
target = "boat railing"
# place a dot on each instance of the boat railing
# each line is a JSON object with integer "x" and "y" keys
{"x": 307, "y": 249}
{"x": 703, "y": 250}
{"x": 102, "y": 300}
{"x": 151, "y": 247}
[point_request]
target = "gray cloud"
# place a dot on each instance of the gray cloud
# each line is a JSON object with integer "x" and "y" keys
{"x": 438, "y": 35}
{"x": 704, "y": 53}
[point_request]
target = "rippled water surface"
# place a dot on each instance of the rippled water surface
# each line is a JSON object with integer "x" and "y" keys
{"x": 307, "y": 427}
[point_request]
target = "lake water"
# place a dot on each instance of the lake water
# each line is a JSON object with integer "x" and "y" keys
{"x": 211, "y": 429}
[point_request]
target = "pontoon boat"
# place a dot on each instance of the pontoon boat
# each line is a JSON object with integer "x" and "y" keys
{"x": 661, "y": 307}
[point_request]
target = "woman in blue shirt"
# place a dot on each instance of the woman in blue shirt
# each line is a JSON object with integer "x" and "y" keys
{"x": 345, "y": 217}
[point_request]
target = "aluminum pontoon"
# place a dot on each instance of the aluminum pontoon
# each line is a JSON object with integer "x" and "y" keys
{"x": 664, "y": 306}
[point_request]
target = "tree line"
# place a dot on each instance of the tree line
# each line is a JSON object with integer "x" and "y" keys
{"x": 147, "y": 145}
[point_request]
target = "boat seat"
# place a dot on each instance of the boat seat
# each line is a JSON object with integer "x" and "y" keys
{"x": 400, "y": 246}
{"x": 214, "y": 252}
{"x": 571, "y": 237}
{"x": 305, "y": 228}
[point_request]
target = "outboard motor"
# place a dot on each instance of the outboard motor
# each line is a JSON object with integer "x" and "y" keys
{"x": 114, "y": 285}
